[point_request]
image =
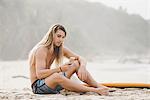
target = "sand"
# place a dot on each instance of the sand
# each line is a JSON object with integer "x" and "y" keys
{"x": 15, "y": 83}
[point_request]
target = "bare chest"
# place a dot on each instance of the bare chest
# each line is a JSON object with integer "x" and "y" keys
{"x": 50, "y": 60}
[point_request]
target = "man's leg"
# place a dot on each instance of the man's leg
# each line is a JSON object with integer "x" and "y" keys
{"x": 68, "y": 84}
{"x": 72, "y": 69}
{"x": 90, "y": 81}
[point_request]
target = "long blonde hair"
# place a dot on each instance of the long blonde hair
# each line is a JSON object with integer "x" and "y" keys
{"x": 47, "y": 41}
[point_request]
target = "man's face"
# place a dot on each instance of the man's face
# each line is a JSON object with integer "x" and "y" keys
{"x": 58, "y": 38}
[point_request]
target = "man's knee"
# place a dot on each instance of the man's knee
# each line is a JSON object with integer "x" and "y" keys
{"x": 76, "y": 64}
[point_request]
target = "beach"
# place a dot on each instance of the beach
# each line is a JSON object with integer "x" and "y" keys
{"x": 15, "y": 82}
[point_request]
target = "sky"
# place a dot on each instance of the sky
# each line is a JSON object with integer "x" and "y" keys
{"x": 140, "y": 7}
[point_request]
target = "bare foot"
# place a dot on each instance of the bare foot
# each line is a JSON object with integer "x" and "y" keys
{"x": 102, "y": 90}
{"x": 109, "y": 89}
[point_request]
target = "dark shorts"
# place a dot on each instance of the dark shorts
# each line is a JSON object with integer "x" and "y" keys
{"x": 39, "y": 87}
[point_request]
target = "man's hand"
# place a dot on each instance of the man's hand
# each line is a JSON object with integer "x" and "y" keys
{"x": 65, "y": 67}
{"x": 72, "y": 63}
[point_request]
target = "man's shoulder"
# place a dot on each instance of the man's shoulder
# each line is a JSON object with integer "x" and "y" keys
{"x": 42, "y": 50}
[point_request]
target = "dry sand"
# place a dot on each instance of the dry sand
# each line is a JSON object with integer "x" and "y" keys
{"x": 15, "y": 83}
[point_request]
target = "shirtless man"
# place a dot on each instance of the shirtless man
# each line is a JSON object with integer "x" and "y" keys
{"x": 46, "y": 80}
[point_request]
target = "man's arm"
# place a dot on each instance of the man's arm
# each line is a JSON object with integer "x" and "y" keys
{"x": 68, "y": 53}
{"x": 41, "y": 70}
